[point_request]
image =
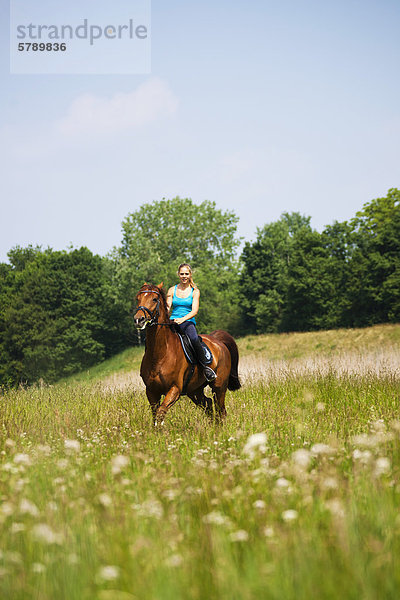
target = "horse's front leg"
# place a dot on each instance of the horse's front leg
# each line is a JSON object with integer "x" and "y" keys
{"x": 170, "y": 398}
{"x": 154, "y": 401}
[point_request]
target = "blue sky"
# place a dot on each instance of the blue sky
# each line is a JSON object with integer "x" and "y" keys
{"x": 262, "y": 107}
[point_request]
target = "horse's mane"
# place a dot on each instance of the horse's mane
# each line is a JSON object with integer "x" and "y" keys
{"x": 154, "y": 288}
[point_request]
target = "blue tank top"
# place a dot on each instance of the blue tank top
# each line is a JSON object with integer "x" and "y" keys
{"x": 182, "y": 306}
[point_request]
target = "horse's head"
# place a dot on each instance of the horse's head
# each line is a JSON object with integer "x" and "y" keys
{"x": 149, "y": 300}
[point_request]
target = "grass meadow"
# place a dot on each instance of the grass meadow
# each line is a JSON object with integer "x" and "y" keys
{"x": 296, "y": 496}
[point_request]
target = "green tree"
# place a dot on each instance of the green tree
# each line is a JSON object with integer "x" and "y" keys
{"x": 161, "y": 235}
{"x": 264, "y": 276}
{"x": 58, "y": 321}
{"x": 6, "y": 299}
{"x": 374, "y": 284}
{"x": 316, "y": 280}
{"x": 340, "y": 242}
{"x": 20, "y": 257}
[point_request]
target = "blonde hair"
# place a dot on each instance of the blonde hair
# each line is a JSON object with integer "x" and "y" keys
{"x": 191, "y": 282}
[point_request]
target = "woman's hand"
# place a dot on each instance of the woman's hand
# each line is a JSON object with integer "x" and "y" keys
{"x": 179, "y": 320}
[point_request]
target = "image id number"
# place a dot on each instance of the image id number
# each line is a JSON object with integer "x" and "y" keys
{"x": 41, "y": 47}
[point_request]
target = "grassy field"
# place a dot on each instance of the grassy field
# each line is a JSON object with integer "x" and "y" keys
{"x": 297, "y": 496}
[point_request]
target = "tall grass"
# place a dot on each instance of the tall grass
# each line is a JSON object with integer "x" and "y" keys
{"x": 96, "y": 504}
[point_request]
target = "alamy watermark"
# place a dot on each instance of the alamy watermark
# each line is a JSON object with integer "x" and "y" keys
{"x": 42, "y": 42}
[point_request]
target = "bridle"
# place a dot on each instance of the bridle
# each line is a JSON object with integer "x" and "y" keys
{"x": 153, "y": 314}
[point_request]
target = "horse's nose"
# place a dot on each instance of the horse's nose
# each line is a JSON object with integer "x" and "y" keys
{"x": 139, "y": 321}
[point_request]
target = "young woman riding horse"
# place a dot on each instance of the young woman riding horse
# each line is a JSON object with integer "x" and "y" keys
{"x": 165, "y": 370}
{"x": 184, "y": 299}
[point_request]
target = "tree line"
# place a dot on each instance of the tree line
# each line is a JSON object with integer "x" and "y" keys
{"x": 64, "y": 311}
{"x": 294, "y": 278}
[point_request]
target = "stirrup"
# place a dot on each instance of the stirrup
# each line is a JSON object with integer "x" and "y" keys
{"x": 209, "y": 374}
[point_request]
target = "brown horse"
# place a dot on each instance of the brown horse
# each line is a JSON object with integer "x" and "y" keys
{"x": 165, "y": 370}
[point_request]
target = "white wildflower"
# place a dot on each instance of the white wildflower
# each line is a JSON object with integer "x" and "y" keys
{"x": 202, "y": 451}
{"x": 259, "y": 504}
{"x": 362, "y": 456}
{"x": 152, "y": 508}
{"x": 10, "y": 468}
{"x": 321, "y": 449}
{"x": 302, "y": 458}
{"x": 20, "y": 484}
{"x": 330, "y": 483}
{"x": 269, "y": 532}
{"x": 170, "y": 494}
{"x": 45, "y": 534}
{"x": 216, "y": 518}
{"x": 105, "y": 500}
{"x": 22, "y": 459}
{"x": 175, "y": 560}
{"x": 289, "y": 515}
{"x": 72, "y": 446}
{"x": 395, "y": 425}
{"x": 335, "y": 507}
{"x": 365, "y": 440}
{"x": 255, "y": 443}
{"x": 108, "y": 573}
{"x": 382, "y": 466}
{"x": 118, "y": 463}
{"x": 38, "y": 568}
{"x": 378, "y": 426}
{"x": 17, "y": 527}
{"x": 282, "y": 483}
{"x": 6, "y": 508}
{"x": 43, "y": 449}
{"x": 9, "y": 443}
{"x": 240, "y": 535}
{"x": 26, "y": 507}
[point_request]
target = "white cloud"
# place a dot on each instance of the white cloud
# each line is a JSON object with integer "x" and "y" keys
{"x": 94, "y": 115}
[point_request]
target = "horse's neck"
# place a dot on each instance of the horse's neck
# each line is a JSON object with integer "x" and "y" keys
{"x": 158, "y": 338}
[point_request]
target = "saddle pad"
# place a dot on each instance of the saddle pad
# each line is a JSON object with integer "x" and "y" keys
{"x": 189, "y": 351}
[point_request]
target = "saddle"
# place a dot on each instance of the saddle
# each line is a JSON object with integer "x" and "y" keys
{"x": 189, "y": 352}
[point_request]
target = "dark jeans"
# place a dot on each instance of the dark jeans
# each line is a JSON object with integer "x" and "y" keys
{"x": 189, "y": 328}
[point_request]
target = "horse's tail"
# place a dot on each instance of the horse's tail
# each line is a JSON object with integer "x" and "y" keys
{"x": 227, "y": 339}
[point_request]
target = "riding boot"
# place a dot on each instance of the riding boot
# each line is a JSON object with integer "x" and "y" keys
{"x": 209, "y": 374}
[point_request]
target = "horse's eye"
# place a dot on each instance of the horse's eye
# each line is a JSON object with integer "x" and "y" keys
{"x": 154, "y": 299}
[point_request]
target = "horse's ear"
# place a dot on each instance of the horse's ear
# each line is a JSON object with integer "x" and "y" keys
{"x": 160, "y": 285}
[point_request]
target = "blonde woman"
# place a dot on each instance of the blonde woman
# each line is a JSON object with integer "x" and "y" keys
{"x": 183, "y": 303}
